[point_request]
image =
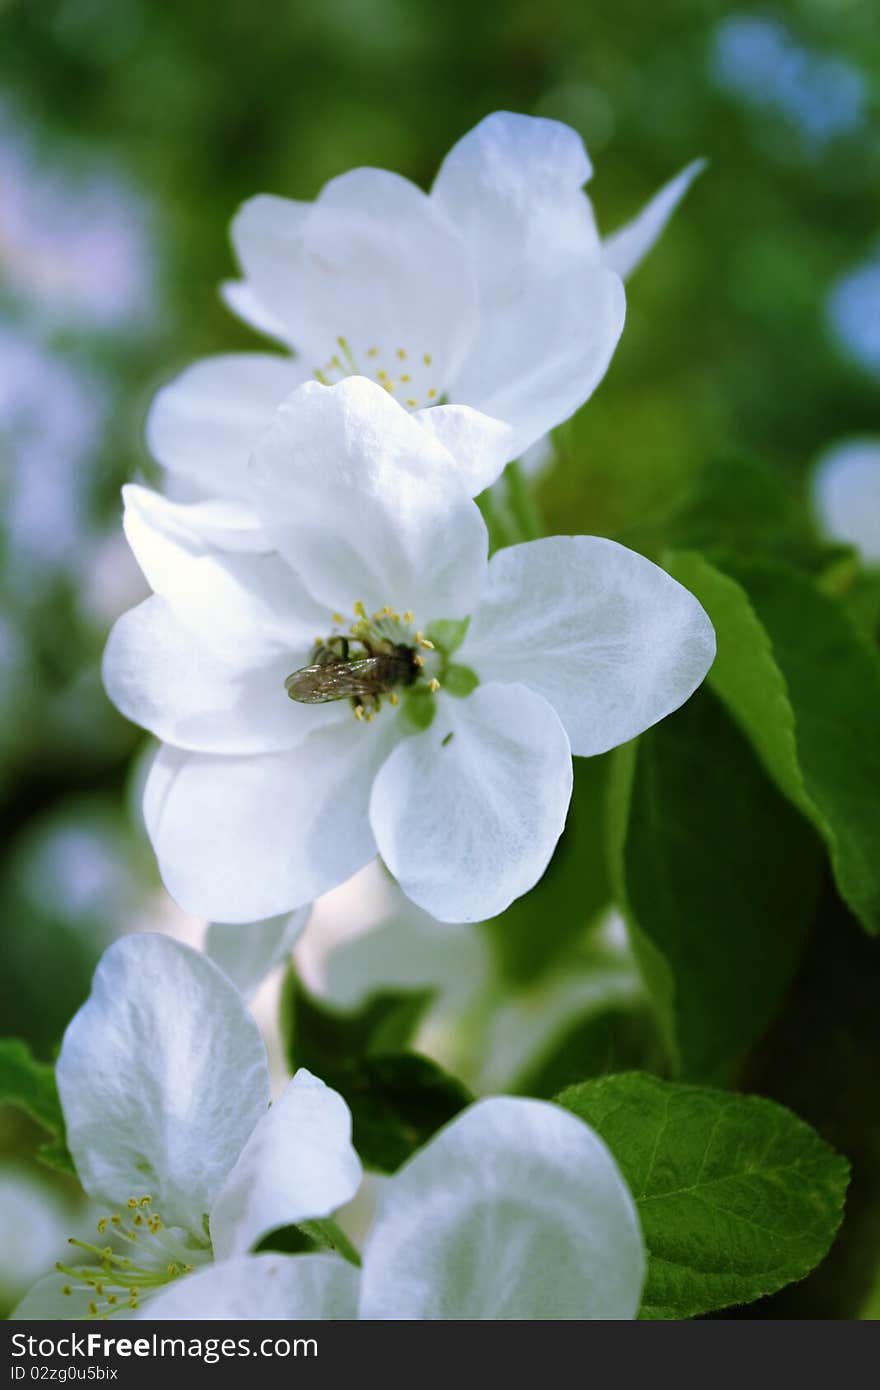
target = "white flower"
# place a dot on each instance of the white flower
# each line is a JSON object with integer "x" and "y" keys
{"x": 258, "y": 803}
{"x": 164, "y": 1084}
{"x": 846, "y": 495}
{"x": 493, "y": 293}
{"x": 514, "y": 1211}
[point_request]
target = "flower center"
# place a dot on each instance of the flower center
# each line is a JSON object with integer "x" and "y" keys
{"x": 411, "y": 377}
{"x": 372, "y": 660}
{"x": 116, "y": 1282}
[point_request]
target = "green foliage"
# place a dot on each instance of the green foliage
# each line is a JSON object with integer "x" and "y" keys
{"x": 804, "y": 687}
{"x": 719, "y": 878}
{"x": 397, "y": 1099}
{"x": 30, "y": 1086}
{"x": 736, "y": 1196}
{"x": 617, "y": 1038}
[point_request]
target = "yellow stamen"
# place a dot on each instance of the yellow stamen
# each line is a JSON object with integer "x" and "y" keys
{"x": 433, "y": 685}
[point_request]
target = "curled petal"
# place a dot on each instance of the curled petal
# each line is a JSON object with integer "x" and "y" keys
{"x": 516, "y": 1210}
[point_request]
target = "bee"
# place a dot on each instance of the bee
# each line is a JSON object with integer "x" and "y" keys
{"x": 336, "y": 675}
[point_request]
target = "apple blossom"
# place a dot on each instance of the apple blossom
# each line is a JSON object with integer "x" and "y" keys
{"x": 492, "y": 295}
{"x": 164, "y": 1084}
{"x": 472, "y": 681}
{"x": 516, "y": 1210}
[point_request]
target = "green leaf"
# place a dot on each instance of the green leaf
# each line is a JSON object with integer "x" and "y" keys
{"x": 397, "y": 1099}
{"x": 804, "y": 686}
{"x": 30, "y": 1086}
{"x": 718, "y": 877}
{"x": 323, "y": 1038}
{"x": 539, "y": 927}
{"x": 618, "y": 1038}
{"x": 737, "y": 1197}
{"x": 397, "y": 1102}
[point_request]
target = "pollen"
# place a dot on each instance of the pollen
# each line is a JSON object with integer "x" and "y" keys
{"x": 433, "y": 685}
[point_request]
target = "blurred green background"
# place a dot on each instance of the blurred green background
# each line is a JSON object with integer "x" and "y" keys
{"x": 130, "y": 132}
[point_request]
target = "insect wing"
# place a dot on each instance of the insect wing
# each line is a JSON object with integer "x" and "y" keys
{"x": 338, "y": 680}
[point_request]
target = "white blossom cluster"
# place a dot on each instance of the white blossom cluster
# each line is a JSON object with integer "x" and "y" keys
{"x": 337, "y": 669}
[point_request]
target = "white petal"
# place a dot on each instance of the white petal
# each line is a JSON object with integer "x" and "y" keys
{"x": 608, "y": 638}
{"x": 298, "y": 1165}
{"x": 544, "y": 349}
{"x": 162, "y": 1077}
{"x": 513, "y": 186}
{"x": 626, "y": 248}
{"x": 549, "y": 317}
{"x": 367, "y": 505}
{"x": 204, "y": 424}
{"x": 240, "y": 839}
{"x": 260, "y": 1288}
{"x": 45, "y": 1302}
{"x": 374, "y": 262}
{"x": 251, "y": 606}
{"x": 846, "y": 495}
{"x": 467, "y": 823}
{"x": 222, "y": 522}
{"x": 239, "y": 296}
{"x": 201, "y": 695}
{"x": 515, "y": 1211}
{"x": 247, "y": 951}
{"x": 479, "y": 445}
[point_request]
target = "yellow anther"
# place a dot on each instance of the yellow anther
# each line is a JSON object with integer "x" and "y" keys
{"x": 418, "y": 660}
{"x": 427, "y": 359}
{"x": 338, "y": 619}
{"x": 426, "y": 643}
{"x": 132, "y": 1302}
{"x": 172, "y": 1271}
{"x": 93, "y": 1309}
{"x": 111, "y": 1298}
{"x": 373, "y": 352}
{"x": 130, "y": 1235}
{"x": 368, "y": 717}
{"x": 66, "y": 1290}
{"x": 432, "y": 393}
{"x": 382, "y": 375}
{"x": 359, "y": 610}
{"x": 433, "y": 685}
{"x": 411, "y": 402}
{"x": 137, "y": 1219}
{"x": 406, "y": 377}
{"x": 401, "y": 352}
{"x": 102, "y": 1225}
{"x": 131, "y": 1203}
{"x": 358, "y": 712}
{"x": 146, "y": 1200}
{"x": 408, "y": 616}
{"x": 393, "y": 698}
{"x": 389, "y": 385}
{"x": 116, "y": 1220}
